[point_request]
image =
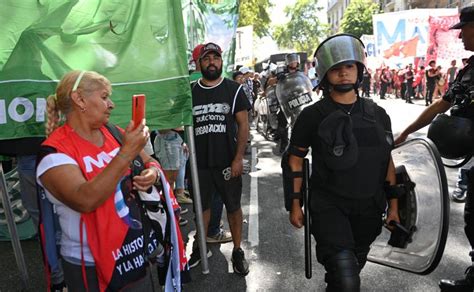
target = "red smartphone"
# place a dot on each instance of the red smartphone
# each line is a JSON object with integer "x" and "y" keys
{"x": 138, "y": 109}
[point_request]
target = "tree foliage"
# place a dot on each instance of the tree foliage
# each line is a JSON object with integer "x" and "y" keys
{"x": 255, "y": 12}
{"x": 304, "y": 30}
{"x": 357, "y": 19}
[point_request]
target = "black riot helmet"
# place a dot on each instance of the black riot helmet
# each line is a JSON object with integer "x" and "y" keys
{"x": 337, "y": 50}
{"x": 453, "y": 136}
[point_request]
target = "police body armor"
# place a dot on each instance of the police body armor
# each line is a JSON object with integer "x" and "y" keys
{"x": 294, "y": 93}
{"x": 454, "y": 134}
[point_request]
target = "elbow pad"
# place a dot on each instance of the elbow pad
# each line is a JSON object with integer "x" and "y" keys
{"x": 288, "y": 176}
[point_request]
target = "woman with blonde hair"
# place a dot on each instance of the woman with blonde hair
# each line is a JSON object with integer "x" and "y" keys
{"x": 85, "y": 172}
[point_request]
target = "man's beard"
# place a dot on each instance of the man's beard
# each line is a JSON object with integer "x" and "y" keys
{"x": 214, "y": 75}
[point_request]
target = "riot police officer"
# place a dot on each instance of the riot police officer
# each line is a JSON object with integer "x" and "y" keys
{"x": 459, "y": 98}
{"x": 292, "y": 62}
{"x": 352, "y": 170}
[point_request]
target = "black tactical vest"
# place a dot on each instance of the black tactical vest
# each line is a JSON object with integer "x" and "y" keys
{"x": 366, "y": 177}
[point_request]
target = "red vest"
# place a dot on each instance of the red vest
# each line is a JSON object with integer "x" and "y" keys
{"x": 113, "y": 230}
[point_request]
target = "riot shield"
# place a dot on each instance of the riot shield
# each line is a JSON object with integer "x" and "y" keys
{"x": 272, "y": 104}
{"x": 423, "y": 208}
{"x": 294, "y": 92}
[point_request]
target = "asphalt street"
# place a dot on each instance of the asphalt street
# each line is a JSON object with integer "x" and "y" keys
{"x": 273, "y": 247}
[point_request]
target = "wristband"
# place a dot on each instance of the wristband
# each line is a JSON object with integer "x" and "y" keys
{"x": 298, "y": 196}
{"x": 152, "y": 164}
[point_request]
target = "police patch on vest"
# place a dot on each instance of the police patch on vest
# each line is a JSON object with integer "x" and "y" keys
{"x": 299, "y": 100}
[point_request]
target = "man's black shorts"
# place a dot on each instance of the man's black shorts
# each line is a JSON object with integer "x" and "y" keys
{"x": 219, "y": 181}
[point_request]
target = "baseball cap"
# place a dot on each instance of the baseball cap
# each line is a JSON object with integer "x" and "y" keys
{"x": 466, "y": 16}
{"x": 208, "y": 48}
{"x": 196, "y": 52}
{"x": 244, "y": 70}
{"x": 235, "y": 74}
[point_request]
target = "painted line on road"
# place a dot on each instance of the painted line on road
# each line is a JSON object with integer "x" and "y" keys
{"x": 253, "y": 208}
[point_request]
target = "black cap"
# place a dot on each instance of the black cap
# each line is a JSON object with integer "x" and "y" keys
{"x": 466, "y": 16}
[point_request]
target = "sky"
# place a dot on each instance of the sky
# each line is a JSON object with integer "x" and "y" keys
{"x": 277, "y": 13}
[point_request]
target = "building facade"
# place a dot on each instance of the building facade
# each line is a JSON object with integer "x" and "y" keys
{"x": 335, "y": 12}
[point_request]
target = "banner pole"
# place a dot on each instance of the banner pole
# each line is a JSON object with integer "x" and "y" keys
{"x": 20, "y": 260}
{"x": 201, "y": 236}
{"x": 191, "y": 25}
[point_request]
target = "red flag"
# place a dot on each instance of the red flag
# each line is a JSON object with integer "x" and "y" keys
{"x": 408, "y": 48}
{"x": 394, "y": 50}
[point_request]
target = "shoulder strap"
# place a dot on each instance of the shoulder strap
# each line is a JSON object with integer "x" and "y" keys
{"x": 115, "y": 132}
{"x": 368, "y": 109}
{"x": 324, "y": 107}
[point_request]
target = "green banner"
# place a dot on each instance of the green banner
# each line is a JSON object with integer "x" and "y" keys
{"x": 212, "y": 21}
{"x": 139, "y": 45}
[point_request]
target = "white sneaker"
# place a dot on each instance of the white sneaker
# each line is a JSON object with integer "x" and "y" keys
{"x": 182, "y": 199}
{"x": 222, "y": 237}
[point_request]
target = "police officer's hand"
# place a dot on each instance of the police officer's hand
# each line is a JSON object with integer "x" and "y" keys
{"x": 400, "y": 139}
{"x": 392, "y": 215}
{"x": 296, "y": 215}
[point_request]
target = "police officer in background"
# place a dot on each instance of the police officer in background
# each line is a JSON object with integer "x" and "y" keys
{"x": 292, "y": 62}
{"x": 459, "y": 96}
{"x": 352, "y": 169}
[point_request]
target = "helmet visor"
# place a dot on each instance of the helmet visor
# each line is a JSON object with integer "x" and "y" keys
{"x": 336, "y": 50}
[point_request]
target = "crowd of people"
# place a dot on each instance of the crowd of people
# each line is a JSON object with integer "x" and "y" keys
{"x": 111, "y": 189}
{"x": 426, "y": 83}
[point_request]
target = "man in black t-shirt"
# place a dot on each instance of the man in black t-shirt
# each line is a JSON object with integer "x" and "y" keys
{"x": 409, "y": 76}
{"x": 220, "y": 121}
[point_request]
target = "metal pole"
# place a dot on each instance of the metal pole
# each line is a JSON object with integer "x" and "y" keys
{"x": 20, "y": 260}
{"x": 201, "y": 236}
{"x": 191, "y": 25}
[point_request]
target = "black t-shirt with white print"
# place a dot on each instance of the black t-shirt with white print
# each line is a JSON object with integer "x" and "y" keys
{"x": 215, "y": 128}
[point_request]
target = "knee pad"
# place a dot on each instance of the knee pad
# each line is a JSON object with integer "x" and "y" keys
{"x": 343, "y": 272}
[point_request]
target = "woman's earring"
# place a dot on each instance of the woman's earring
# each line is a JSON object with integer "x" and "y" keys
{"x": 83, "y": 110}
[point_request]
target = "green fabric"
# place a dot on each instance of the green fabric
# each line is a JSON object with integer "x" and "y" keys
{"x": 140, "y": 46}
{"x": 195, "y": 76}
{"x": 26, "y": 230}
{"x": 212, "y": 21}
{"x": 24, "y": 225}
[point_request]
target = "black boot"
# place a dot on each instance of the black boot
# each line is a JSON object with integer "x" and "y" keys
{"x": 461, "y": 285}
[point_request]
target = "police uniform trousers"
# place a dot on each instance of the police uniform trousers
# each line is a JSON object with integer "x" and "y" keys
{"x": 342, "y": 224}
{"x": 469, "y": 209}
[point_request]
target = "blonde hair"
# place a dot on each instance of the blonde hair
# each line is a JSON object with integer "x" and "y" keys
{"x": 60, "y": 104}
